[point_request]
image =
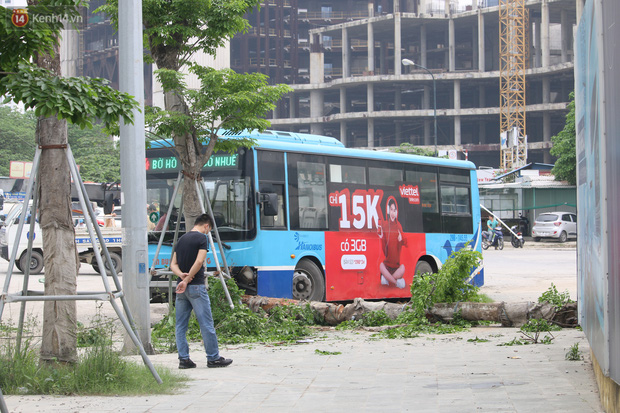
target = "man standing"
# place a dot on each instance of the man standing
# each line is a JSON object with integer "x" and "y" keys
{"x": 187, "y": 264}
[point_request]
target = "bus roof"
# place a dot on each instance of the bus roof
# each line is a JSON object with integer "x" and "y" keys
{"x": 268, "y": 135}
{"x": 302, "y": 142}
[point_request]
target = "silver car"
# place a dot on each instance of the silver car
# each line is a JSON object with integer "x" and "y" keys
{"x": 558, "y": 225}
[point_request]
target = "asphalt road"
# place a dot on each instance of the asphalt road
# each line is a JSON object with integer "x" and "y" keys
{"x": 523, "y": 274}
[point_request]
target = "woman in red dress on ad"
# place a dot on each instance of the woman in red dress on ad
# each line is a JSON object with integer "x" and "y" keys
{"x": 392, "y": 242}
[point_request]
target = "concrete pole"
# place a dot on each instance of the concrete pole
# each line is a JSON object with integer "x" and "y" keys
{"x": 371, "y": 133}
{"x": 457, "y": 107}
{"x": 423, "y": 45}
{"x": 346, "y": 69}
{"x": 398, "y": 133}
{"x": 481, "y": 55}
{"x": 546, "y": 135}
{"x": 546, "y": 90}
{"x": 532, "y": 59}
{"x": 397, "y": 45}
{"x": 565, "y": 35}
{"x": 292, "y": 104}
{"x": 482, "y": 131}
{"x": 544, "y": 30}
{"x": 371, "y": 49}
{"x": 537, "y": 40}
{"x": 343, "y": 100}
{"x": 451, "y": 46}
{"x": 316, "y": 112}
{"x": 370, "y": 97}
{"x": 343, "y": 133}
{"x": 133, "y": 175}
{"x": 398, "y": 95}
{"x": 423, "y": 7}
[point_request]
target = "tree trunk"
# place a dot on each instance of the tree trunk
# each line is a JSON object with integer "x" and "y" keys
{"x": 60, "y": 258}
{"x": 508, "y": 314}
{"x": 189, "y": 151}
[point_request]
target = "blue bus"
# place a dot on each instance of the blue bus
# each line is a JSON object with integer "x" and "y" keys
{"x": 304, "y": 217}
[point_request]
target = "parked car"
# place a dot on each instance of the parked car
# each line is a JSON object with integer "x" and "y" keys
{"x": 558, "y": 225}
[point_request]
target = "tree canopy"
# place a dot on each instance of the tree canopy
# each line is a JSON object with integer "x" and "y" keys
{"x": 175, "y": 31}
{"x": 564, "y": 148}
{"x": 95, "y": 153}
{"x": 80, "y": 100}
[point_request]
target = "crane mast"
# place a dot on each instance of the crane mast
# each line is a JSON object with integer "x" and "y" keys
{"x": 513, "y": 25}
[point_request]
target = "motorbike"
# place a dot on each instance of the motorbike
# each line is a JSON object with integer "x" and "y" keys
{"x": 497, "y": 241}
{"x": 516, "y": 241}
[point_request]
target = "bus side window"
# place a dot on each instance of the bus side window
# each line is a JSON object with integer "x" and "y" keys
{"x": 271, "y": 180}
{"x": 312, "y": 195}
{"x": 455, "y": 201}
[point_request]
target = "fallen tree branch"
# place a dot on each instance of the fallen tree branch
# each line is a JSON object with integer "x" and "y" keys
{"x": 508, "y": 314}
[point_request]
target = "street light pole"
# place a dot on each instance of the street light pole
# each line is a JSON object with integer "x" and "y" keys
{"x": 407, "y": 62}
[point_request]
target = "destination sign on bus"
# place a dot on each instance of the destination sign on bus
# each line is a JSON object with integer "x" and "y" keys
{"x": 171, "y": 163}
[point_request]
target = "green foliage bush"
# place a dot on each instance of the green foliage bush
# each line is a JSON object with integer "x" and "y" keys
{"x": 240, "y": 324}
{"x": 554, "y": 297}
{"x": 449, "y": 285}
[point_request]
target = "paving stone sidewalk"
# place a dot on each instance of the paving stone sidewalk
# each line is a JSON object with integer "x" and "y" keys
{"x": 430, "y": 373}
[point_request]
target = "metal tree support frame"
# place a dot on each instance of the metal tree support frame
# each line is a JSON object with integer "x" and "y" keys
{"x": 222, "y": 273}
{"x": 95, "y": 236}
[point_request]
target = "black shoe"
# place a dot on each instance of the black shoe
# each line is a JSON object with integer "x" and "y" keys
{"x": 221, "y": 362}
{"x": 186, "y": 364}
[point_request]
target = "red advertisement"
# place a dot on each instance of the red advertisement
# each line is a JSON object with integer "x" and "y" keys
{"x": 374, "y": 250}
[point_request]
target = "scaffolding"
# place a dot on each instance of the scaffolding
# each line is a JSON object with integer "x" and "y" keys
{"x": 513, "y": 24}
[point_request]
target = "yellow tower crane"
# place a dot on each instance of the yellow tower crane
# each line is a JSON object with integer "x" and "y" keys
{"x": 513, "y": 53}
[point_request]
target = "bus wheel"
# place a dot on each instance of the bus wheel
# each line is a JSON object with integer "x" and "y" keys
{"x": 308, "y": 282}
{"x": 423, "y": 267}
{"x": 36, "y": 262}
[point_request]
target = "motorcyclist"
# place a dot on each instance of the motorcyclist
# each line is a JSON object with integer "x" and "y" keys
{"x": 524, "y": 224}
{"x": 491, "y": 225}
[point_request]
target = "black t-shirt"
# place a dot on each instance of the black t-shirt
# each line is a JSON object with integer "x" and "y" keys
{"x": 187, "y": 251}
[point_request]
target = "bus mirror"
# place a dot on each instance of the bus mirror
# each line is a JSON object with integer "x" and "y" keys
{"x": 270, "y": 203}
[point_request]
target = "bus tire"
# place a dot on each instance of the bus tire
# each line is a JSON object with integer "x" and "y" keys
{"x": 423, "y": 267}
{"x": 36, "y": 262}
{"x": 116, "y": 261}
{"x": 308, "y": 282}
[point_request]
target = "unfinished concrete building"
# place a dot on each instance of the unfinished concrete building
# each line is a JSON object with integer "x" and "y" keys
{"x": 343, "y": 59}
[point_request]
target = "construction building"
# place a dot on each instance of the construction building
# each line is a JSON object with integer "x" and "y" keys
{"x": 344, "y": 60}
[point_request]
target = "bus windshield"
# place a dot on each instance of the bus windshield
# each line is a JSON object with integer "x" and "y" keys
{"x": 228, "y": 182}
{"x": 230, "y": 199}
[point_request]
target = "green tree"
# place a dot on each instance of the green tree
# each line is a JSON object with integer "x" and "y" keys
{"x": 93, "y": 150}
{"x": 564, "y": 148}
{"x": 174, "y": 32}
{"x": 406, "y": 147}
{"x": 16, "y": 137}
{"x": 96, "y": 154}
{"x": 30, "y": 74}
